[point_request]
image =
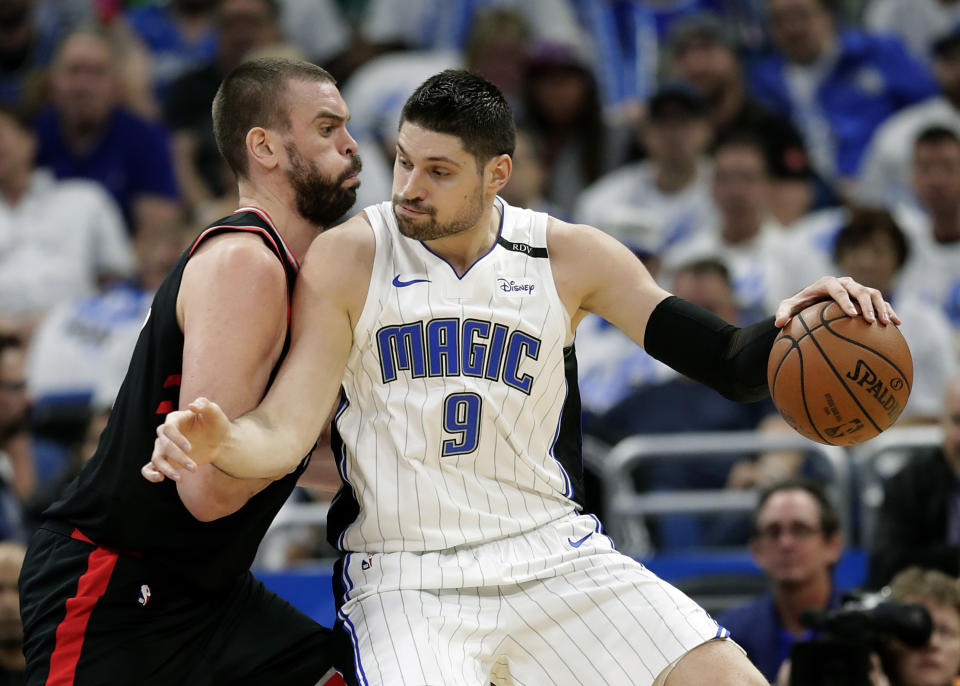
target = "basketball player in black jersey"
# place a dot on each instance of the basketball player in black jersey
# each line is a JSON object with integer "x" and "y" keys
{"x": 129, "y": 583}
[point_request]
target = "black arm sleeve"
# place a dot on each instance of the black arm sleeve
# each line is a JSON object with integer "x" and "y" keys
{"x": 700, "y": 345}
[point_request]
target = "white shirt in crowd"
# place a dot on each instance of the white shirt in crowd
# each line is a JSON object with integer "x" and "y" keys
{"x": 933, "y": 271}
{"x": 917, "y": 22}
{"x": 55, "y": 243}
{"x": 756, "y": 265}
{"x": 612, "y": 201}
{"x": 885, "y": 175}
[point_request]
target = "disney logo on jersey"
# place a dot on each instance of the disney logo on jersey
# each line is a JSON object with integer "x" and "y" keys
{"x": 514, "y": 288}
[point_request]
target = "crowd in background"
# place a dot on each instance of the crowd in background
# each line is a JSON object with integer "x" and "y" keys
{"x": 741, "y": 149}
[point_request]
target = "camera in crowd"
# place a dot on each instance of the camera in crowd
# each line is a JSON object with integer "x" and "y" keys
{"x": 840, "y": 655}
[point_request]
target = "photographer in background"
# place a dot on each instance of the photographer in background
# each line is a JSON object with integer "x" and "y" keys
{"x": 938, "y": 662}
{"x": 796, "y": 540}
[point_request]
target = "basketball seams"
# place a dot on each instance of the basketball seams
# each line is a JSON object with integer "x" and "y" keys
{"x": 842, "y": 383}
{"x": 857, "y": 343}
{"x": 803, "y": 396}
{"x": 794, "y": 345}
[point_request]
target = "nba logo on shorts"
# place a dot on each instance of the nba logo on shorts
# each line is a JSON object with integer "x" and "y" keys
{"x": 144, "y": 595}
{"x": 366, "y": 564}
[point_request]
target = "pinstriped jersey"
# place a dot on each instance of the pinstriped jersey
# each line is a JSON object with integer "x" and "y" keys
{"x": 459, "y": 419}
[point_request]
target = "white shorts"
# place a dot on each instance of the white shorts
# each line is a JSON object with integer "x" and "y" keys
{"x": 557, "y": 605}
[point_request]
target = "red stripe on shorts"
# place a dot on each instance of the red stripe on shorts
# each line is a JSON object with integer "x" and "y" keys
{"x": 71, "y": 631}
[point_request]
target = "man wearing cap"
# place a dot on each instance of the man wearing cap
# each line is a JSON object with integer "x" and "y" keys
{"x": 701, "y": 50}
{"x": 837, "y": 86}
{"x": 885, "y": 178}
{"x": 673, "y": 184}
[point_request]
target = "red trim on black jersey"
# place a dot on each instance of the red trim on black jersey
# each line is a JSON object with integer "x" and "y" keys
{"x": 165, "y": 407}
{"x": 172, "y": 380}
{"x": 266, "y": 217}
{"x": 71, "y": 631}
{"x": 256, "y": 229}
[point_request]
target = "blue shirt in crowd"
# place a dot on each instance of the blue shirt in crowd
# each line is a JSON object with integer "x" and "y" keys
{"x": 756, "y": 627}
{"x": 132, "y": 158}
{"x": 872, "y": 77}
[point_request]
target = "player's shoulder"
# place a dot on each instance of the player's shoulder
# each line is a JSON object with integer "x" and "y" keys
{"x": 234, "y": 259}
{"x": 347, "y": 248}
{"x": 565, "y": 236}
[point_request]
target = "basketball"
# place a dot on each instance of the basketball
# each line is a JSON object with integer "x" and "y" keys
{"x": 838, "y": 379}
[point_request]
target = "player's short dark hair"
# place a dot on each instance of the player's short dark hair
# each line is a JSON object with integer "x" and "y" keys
{"x": 866, "y": 222}
{"x": 255, "y": 94}
{"x": 829, "y": 518}
{"x": 933, "y": 135}
{"x": 467, "y": 106}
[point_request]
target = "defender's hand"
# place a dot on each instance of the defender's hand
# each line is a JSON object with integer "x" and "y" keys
{"x": 186, "y": 438}
{"x": 845, "y": 291}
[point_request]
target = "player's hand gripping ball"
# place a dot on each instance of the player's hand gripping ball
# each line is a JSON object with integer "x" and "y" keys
{"x": 838, "y": 379}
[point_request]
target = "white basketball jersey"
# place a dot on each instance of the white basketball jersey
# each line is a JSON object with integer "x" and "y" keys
{"x": 450, "y": 429}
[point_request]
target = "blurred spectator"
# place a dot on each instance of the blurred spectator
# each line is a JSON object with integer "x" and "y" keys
{"x": 562, "y": 108}
{"x": 81, "y": 350}
{"x": 29, "y": 32}
{"x": 628, "y": 36}
{"x": 528, "y": 178}
{"x": 938, "y": 662}
{"x": 919, "y": 521}
{"x": 12, "y": 662}
{"x": 672, "y": 186}
{"x": 610, "y": 366}
{"x": 80, "y": 451}
{"x": 796, "y": 540}
{"x": 177, "y": 35}
{"x": 873, "y": 249}
{"x": 665, "y": 402}
{"x": 917, "y": 23}
{"x": 626, "y": 42}
{"x": 17, "y": 475}
{"x": 836, "y": 86}
{"x": 933, "y": 274}
{"x": 885, "y": 176}
{"x": 316, "y": 27}
{"x": 242, "y": 26}
{"x": 446, "y": 24}
{"x": 497, "y": 48}
{"x": 700, "y": 49}
{"x": 58, "y": 239}
{"x": 86, "y": 134}
{"x": 744, "y": 235}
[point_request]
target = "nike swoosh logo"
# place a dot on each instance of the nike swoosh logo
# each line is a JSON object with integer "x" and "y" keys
{"x": 577, "y": 544}
{"x": 400, "y": 284}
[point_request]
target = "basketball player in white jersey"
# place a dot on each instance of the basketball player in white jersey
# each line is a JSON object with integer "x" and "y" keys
{"x": 449, "y": 316}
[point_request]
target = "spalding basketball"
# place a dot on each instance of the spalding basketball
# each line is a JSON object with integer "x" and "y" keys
{"x": 838, "y": 379}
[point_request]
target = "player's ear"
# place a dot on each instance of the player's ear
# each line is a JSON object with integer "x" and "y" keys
{"x": 263, "y": 147}
{"x": 499, "y": 169}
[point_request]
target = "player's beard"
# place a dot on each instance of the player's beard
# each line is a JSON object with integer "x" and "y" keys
{"x": 428, "y": 229}
{"x": 319, "y": 199}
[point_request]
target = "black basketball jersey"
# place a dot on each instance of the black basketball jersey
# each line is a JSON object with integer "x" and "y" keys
{"x": 113, "y": 505}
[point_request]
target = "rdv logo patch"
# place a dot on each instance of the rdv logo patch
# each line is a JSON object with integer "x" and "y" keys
{"x": 516, "y": 287}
